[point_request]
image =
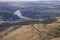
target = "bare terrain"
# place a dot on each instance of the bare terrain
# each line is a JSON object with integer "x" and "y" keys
{"x": 32, "y": 30}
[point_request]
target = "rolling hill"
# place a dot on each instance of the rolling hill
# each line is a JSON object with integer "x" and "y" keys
{"x": 35, "y": 31}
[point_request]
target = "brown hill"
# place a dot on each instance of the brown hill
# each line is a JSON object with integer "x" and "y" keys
{"x": 33, "y": 30}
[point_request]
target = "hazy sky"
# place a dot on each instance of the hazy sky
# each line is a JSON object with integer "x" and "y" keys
{"x": 29, "y": 0}
{"x": 18, "y": 0}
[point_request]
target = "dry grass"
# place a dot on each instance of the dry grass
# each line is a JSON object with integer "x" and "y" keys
{"x": 27, "y": 32}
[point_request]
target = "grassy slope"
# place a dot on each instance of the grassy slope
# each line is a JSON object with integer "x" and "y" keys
{"x": 27, "y": 32}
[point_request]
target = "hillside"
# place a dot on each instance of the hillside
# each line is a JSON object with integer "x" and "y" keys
{"x": 33, "y": 31}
